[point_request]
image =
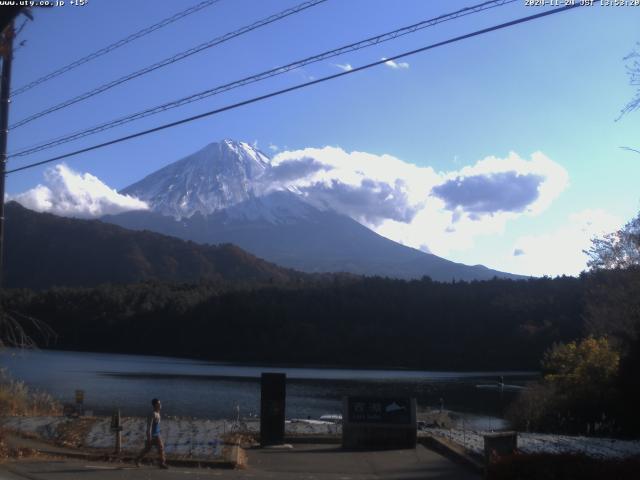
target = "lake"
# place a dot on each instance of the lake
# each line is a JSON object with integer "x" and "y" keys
{"x": 214, "y": 390}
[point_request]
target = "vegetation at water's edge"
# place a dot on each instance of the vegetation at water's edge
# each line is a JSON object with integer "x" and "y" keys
{"x": 592, "y": 385}
{"x": 16, "y": 398}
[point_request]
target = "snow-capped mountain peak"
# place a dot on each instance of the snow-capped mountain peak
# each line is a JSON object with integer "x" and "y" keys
{"x": 228, "y": 185}
{"x": 216, "y": 177}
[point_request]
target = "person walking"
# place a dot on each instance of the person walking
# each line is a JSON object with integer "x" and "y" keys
{"x": 153, "y": 435}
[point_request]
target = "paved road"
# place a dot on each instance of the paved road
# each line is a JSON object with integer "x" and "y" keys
{"x": 307, "y": 462}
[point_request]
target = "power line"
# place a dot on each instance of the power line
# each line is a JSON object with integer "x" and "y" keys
{"x": 113, "y": 46}
{"x": 168, "y": 61}
{"x": 261, "y": 76}
{"x": 296, "y": 87}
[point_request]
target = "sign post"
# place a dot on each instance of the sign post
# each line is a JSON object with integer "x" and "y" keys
{"x": 116, "y": 428}
{"x": 80, "y": 402}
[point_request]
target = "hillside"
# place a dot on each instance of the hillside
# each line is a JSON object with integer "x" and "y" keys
{"x": 43, "y": 250}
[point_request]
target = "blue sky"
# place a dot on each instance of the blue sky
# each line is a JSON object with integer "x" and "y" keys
{"x": 553, "y": 86}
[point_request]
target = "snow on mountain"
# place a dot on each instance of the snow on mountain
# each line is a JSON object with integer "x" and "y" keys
{"x": 277, "y": 208}
{"x": 224, "y": 194}
{"x": 219, "y": 176}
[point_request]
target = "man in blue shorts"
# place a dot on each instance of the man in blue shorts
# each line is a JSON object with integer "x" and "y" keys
{"x": 153, "y": 435}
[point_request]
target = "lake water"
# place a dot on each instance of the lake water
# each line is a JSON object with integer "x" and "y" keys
{"x": 213, "y": 390}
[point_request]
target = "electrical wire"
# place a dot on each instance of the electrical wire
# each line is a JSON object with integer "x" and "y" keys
{"x": 168, "y": 61}
{"x": 371, "y": 41}
{"x": 297, "y": 87}
{"x": 114, "y": 46}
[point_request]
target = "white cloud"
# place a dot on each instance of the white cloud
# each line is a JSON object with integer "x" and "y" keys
{"x": 72, "y": 194}
{"x": 415, "y": 205}
{"x": 439, "y": 212}
{"x": 560, "y": 251}
{"x": 273, "y": 148}
{"x": 369, "y": 188}
{"x": 395, "y": 65}
{"x": 555, "y": 177}
{"x": 346, "y": 67}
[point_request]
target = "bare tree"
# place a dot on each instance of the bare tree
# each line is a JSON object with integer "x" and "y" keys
{"x": 612, "y": 303}
{"x": 619, "y": 249}
{"x": 18, "y": 330}
{"x": 633, "y": 72}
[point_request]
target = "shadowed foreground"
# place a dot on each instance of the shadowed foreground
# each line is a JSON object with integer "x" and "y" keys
{"x": 302, "y": 461}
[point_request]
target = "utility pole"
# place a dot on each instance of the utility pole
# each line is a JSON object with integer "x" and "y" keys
{"x": 5, "y": 92}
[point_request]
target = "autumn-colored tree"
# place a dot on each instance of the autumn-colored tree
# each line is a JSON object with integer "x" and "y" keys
{"x": 578, "y": 390}
{"x": 583, "y": 374}
{"x": 583, "y": 369}
{"x": 581, "y": 365}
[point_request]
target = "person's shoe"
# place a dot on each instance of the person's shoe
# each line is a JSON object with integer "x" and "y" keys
{"x": 164, "y": 466}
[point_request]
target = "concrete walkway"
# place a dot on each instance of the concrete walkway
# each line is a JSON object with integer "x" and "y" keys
{"x": 302, "y": 461}
{"x": 310, "y": 462}
{"x": 331, "y": 462}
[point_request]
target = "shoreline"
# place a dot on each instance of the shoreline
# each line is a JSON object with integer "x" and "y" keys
{"x": 471, "y": 373}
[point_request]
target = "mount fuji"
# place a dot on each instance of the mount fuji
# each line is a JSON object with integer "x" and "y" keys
{"x": 221, "y": 194}
{"x": 212, "y": 179}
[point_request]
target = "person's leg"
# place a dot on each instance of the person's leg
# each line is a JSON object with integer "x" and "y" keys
{"x": 143, "y": 452}
{"x": 160, "y": 446}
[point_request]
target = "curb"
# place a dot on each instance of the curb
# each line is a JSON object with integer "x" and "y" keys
{"x": 453, "y": 452}
{"x": 110, "y": 457}
{"x": 233, "y": 457}
{"x": 317, "y": 439}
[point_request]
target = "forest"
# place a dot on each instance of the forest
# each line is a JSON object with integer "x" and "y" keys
{"x": 347, "y": 321}
{"x": 582, "y": 334}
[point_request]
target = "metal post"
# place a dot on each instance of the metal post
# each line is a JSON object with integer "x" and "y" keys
{"x": 5, "y": 91}
{"x": 464, "y": 432}
{"x": 118, "y": 434}
{"x": 116, "y": 428}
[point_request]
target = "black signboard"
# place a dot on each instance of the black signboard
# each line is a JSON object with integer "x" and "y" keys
{"x": 272, "y": 404}
{"x": 395, "y": 411}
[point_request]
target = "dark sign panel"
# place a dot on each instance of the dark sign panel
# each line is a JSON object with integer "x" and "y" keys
{"x": 272, "y": 404}
{"x": 379, "y": 410}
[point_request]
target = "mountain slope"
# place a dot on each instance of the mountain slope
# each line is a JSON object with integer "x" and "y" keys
{"x": 285, "y": 230}
{"x": 42, "y": 250}
{"x": 219, "y": 195}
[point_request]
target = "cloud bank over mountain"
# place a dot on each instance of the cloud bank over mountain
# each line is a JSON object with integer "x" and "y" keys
{"x": 435, "y": 211}
{"x": 72, "y": 194}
